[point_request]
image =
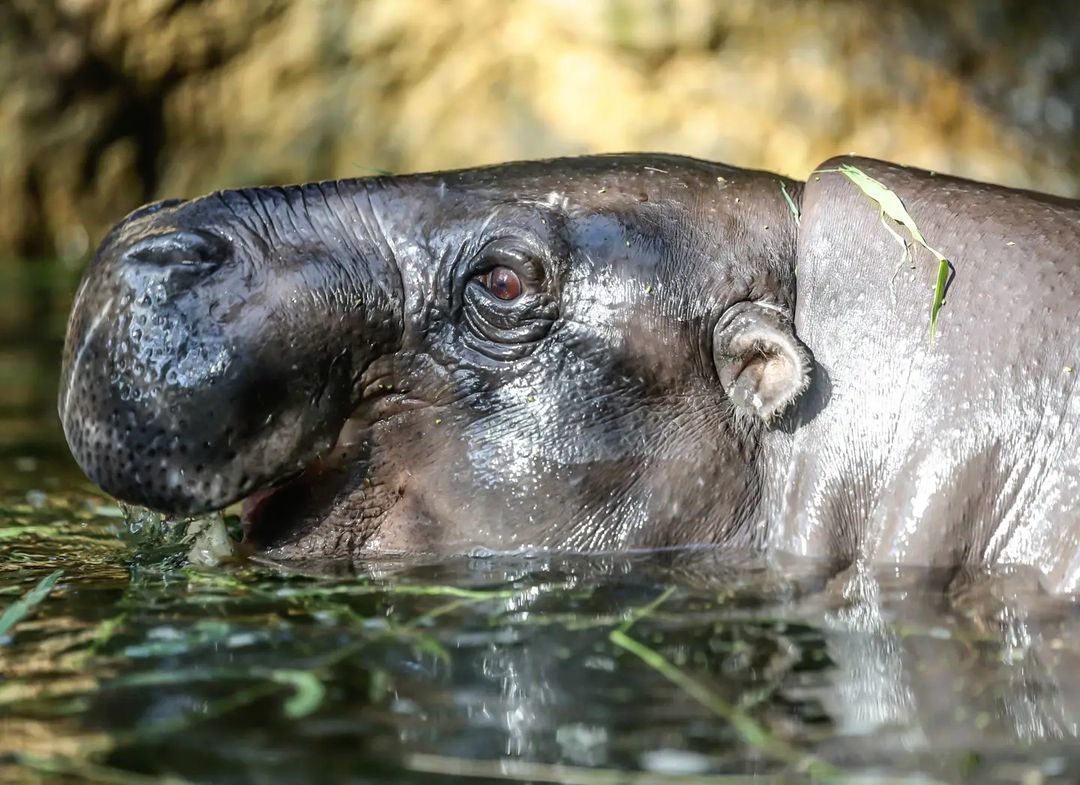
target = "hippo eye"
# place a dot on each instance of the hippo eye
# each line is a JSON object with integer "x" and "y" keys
{"x": 506, "y": 308}
{"x": 502, "y": 282}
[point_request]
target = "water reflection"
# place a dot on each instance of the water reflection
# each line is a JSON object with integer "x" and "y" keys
{"x": 873, "y": 693}
{"x": 728, "y": 664}
{"x": 898, "y": 669}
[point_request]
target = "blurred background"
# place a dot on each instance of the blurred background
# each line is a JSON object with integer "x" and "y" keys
{"x": 106, "y": 104}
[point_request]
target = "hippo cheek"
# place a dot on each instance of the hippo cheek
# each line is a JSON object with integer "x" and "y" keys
{"x": 389, "y": 488}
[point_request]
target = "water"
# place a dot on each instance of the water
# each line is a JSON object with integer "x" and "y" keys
{"x": 671, "y": 668}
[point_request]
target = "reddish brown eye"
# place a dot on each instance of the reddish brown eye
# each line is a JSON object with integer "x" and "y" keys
{"x": 504, "y": 283}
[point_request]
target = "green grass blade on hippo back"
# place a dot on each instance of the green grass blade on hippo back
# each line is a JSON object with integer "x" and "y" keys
{"x": 892, "y": 207}
{"x": 791, "y": 204}
{"x": 887, "y": 200}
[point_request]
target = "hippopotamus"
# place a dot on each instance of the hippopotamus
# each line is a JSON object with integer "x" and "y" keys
{"x": 601, "y": 353}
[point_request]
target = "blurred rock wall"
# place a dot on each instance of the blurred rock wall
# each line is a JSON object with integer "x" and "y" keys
{"x": 105, "y": 104}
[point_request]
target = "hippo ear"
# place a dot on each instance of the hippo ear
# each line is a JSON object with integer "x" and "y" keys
{"x": 762, "y": 366}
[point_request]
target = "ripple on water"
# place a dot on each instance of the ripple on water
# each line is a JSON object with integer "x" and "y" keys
{"x": 686, "y": 668}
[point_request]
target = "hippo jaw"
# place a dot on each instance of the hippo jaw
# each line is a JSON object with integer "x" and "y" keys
{"x": 204, "y": 363}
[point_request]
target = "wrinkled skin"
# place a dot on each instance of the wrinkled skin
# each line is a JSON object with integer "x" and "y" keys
{"x": 593, "y": 354}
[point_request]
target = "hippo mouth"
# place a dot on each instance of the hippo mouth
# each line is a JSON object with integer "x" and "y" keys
{"x": 274, "y": 511}
{"x": 266, "y": 513}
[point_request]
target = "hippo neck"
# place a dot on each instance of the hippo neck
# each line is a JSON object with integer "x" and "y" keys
{"x": 770, "y": 248}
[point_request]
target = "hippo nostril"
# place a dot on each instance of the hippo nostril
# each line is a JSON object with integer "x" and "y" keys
{"x": 191, "y": 249}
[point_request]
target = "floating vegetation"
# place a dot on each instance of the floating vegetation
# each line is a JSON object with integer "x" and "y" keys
{"x": 211, "y": 545}
{"x": 22, "y": 607}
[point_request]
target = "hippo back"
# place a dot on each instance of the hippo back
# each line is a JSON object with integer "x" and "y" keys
{"x": 963, "y": 449}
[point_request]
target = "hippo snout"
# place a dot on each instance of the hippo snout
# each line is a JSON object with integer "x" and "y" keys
{"x": 195, "y": 370}
{"x": 149, "y": 385}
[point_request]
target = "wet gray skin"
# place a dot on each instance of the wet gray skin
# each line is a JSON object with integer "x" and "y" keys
{"x": 593, "y": 354}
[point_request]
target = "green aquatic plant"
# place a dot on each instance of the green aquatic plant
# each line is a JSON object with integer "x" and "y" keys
{"x": 22, "y": 607}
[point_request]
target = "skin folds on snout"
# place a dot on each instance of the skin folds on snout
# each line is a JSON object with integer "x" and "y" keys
{"x": 589, "y": 354}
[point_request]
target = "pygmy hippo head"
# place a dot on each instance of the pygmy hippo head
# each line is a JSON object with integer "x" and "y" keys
{"x": 577, "y": 354}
